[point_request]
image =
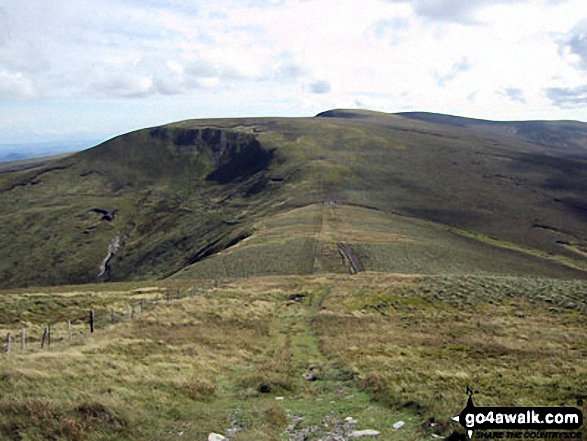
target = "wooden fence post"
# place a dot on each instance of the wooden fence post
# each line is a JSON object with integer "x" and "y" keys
{"x": 22, "y": 339}
{"x": 91, "y": 320}
{"x": 45, "y": 332}
{"x": 69, "y": 330}
{"x": 49, "y": 336}
{"x": 8, "y": 343}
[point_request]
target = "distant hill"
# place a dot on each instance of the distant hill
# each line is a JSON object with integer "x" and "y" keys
{"x": 12, "y": 156}
{"x": 18, "y": 152}
{"x": 23, "y": 164}
{"x": 348, "y": 190}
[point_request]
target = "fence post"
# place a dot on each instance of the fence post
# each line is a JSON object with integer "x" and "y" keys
{"x": 49, "y": 335}
{"x": 45, "y": 332}
{"x": 22, "y": 339}
{"x": 8, "y": 343}
{"x": 91, "y": 320}
{"x": 69, "y": 330}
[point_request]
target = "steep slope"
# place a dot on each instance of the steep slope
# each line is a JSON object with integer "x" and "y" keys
{"x": 229, "y": 198}
{"x": 142, "y": 205}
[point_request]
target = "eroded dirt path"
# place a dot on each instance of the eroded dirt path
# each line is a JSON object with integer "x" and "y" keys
{"x": 354, "y": 263}
{"x": 331, "y": 236}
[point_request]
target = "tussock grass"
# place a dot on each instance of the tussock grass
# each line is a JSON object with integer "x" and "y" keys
{"x": 383, "y": 347}
{"x": 419, "y": 342}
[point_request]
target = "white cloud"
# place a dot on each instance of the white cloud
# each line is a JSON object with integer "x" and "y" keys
{"x": 182, "y": 59}
{"x": 462, "y": 65}
{"x": 453, "y": 11}
{"x": 16, "y": 87}
{"x": 4, "y": 27}
{"x": 515, "y": 94}
{"x": 575, "y": 45}
{"x": 319, "y": 87}
{"x": 568, "y": 97}
{"x": 392, "y": 29}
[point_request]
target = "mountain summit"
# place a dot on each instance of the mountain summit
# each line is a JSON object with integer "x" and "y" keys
{"x": 345, "y": 191}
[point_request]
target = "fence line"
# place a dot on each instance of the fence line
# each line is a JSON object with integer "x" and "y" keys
{"x": 92, "y": 316}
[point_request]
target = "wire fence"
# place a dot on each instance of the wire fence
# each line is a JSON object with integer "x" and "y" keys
{"x": 42, "y": 338}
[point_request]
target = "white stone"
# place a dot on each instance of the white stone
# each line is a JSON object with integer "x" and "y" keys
{"x": 216, "y": 437}
{"x": 363, "y": 433}
{"x": 398, "y": 425}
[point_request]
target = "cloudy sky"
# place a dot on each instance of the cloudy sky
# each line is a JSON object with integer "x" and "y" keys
{"x": 81, "y": 69}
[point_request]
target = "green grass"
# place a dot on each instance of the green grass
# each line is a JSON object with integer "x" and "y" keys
{"x": 384, "y": 348}
{"x": 170, "y": 213}
{"x": 304, "y": 241}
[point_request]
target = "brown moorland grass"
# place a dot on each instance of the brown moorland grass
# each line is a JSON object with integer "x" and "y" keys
{"x": 384, "y": 348}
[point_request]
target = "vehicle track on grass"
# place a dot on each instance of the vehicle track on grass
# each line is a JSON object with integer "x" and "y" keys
{"x": 348, "y": 255}
{"x": 350, "y": 260}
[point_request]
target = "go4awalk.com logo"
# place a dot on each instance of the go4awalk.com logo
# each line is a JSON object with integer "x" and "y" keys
{"x": 520, "y": 422}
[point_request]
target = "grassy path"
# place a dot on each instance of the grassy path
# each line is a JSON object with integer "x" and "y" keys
{"x": 231, "y": 359}
{"x": 286, "y": 406}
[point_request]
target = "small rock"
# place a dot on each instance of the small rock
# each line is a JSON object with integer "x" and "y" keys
{"x": 398, "y": 425}
{"x": 351, "y": 421}
{"x": 279, "y": 398}
{"x": 216, "y": 437}
{"x": 232, "y": 432}
{"x": 363, "y": 433}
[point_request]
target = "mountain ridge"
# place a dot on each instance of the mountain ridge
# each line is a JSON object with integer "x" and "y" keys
{"x": 205, "y": 197}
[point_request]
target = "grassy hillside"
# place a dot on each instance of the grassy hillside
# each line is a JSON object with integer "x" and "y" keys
{"x": 276, "y": 278}
{"x": 231, "y": 358}
{"x": 306, "y": 241}
{"x": 466, "y": 197}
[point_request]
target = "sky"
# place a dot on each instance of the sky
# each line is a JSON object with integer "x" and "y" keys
{"x": 93, "y": 69}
